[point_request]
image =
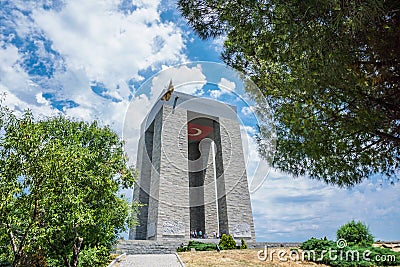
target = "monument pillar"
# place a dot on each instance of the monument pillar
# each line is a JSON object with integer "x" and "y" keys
{"x": 192, "y": 173}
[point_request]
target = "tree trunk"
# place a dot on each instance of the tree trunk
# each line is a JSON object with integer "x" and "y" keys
{"x": 66, "y": 261}
{"x": 77, "y": 249}
{"x": 17, "y": 253}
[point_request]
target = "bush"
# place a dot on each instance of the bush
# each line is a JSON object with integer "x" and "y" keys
{"x": 96, "y": 256}
{"x": 321, "y": 247}
{"x": 375, "y": 256}
{"x": 182, "y": 248}
{"x": 355, "y": 233}
{"x": 317, "y": 244}
{"x": 359, "y": 243}
{"x": 198, "y": 246}
{"x": 227, "y": 242}
{"x": 243, "y": 244}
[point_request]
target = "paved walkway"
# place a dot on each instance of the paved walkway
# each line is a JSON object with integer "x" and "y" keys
{"x": 150, "y": 260}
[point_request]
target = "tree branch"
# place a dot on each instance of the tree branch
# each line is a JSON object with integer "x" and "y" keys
{"x": 66, "y": 262}
{"x": 11, "y": 235}
{"x": 77, "y": 247}
{"x": 76, "y": 250}
{"x": 387, "y": 136}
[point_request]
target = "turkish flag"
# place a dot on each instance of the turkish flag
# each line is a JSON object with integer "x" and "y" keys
{"x": 198, "y": 132}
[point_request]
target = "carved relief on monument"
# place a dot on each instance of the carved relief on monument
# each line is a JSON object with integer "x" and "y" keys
{"x": 241, "y": 230}
{"x": 174, "y": 227}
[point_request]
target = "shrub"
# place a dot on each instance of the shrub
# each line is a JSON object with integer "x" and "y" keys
{"x": 95, "y": 256}
{"x": 376, "y": 256}
{"x": 243, "y": 244}
{"x": 355, "y": 233}
{"x": 317, "y": 244}
{"x": 198, "y": 246}
{"x": 182, "y": 248}
{"x": 359, "y": 241}
{"x": 227, "y": 242}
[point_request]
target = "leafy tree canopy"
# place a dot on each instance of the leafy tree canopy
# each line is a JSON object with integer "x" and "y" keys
{"x": 330, "y": 71}
{"x": 59, "y": 183}
{"x": 355, "y": 233}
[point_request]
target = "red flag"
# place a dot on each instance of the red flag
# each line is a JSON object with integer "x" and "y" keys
{"x": 198, "y": 132}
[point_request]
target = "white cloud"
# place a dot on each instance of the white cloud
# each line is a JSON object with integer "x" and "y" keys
{"x": 186, "y": 79}
{"x": 12, "y": 75}
{"x": 257, "y": 168}
{"x": 296, "y": 209}
{"x": 215, "y": 93}
{"x": 218, "y": 43}
{"x": 108, "y": 45}
{"x": 18, "y": 105}
{"x": 21, "y": 92}
{"x": 41, "y": 100}
{"x": 98, "y": 43}
{"x": 247, "y": 111}
{"x": 250, "y": 130}
{"x": 226, "y": 85}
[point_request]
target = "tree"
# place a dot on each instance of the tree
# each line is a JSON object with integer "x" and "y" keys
{"x": 243, "y": 244}
{"x": 59, "y": 187}
{"x": 355, "y": 233}
{"x": 227, "y": 242}
{"x": 330, "y": 71}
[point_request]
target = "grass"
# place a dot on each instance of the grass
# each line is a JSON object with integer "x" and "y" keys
{"x": 234, "y": 258}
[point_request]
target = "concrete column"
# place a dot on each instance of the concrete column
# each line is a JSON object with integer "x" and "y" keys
{"x": 210, "y": 199}
{"x": 173, "y": 211}
{"x": 238, "y": 203}
{"x": 153, "y": 207}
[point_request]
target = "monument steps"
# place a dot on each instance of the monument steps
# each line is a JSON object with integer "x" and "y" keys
{"x": 131, "y": 247}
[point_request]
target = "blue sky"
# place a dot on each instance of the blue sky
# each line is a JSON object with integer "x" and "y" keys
{"x": 87, "y": 59}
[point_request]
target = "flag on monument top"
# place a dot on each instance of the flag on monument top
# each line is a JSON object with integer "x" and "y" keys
{"x": 168, "y": 93}
{"x": 198, "y": 132}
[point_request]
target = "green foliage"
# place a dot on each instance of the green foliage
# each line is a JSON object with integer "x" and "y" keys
{"x": 355, "y": 233}
{"x": 243, "y": 244}
{"x": 227, "y": 242}
{"x": 96, "y": 256}
{"x": 330, "y": 73}
{"x": 182, "y": 249}
{"x": 355, "y": 254}
{"x": 388, "y": 254}
{"x": 5, "y": 251}
{"x": 33, "y": 259}
{"x": 358, "y": 252}
{"x": 317, "y": 244}
{"x": 198, "y": 246}
{"x": 59, "y": 190}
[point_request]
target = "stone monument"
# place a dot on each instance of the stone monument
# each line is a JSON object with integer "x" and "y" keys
{"x": 192, "y": 174}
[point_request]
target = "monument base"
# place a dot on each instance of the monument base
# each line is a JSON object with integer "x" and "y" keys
{"x": 164, "y": 246}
